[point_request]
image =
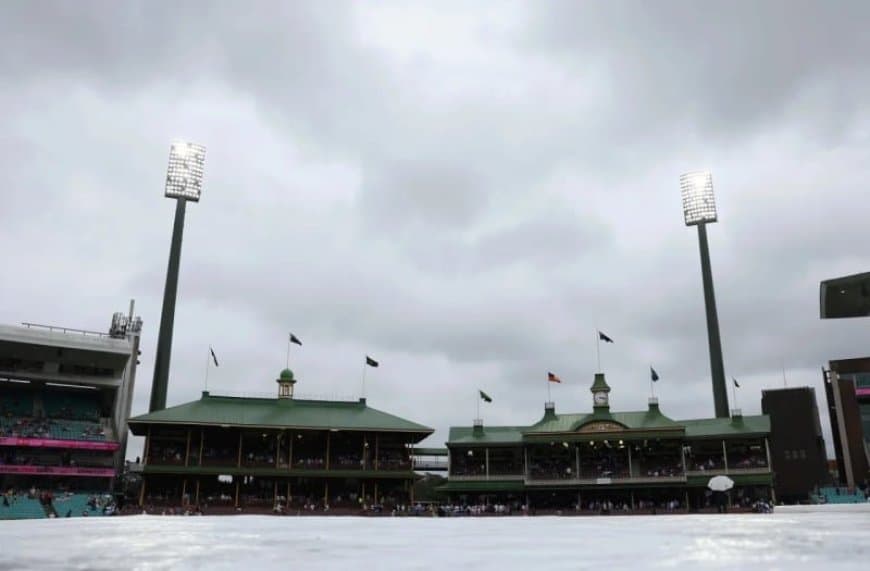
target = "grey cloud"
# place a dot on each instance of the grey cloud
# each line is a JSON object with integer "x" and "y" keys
{"x": 719, "y": 67}
{"x": 436, "y": 196}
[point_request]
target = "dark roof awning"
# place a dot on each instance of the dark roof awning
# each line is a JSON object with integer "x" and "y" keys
{"x": 848, "y": 296}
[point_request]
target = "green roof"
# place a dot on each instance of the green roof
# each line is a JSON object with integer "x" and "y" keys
{"x": 279, "y": 413}
{"x": 645, "y": 420}
{"x": 490, "y": 435}
{"x": 758, "y": 424}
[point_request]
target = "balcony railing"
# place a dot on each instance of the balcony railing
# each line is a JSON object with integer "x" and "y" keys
{"x": 231, "y": 463}
{"x": 492, "y": 478}
{"x": 608, "y": 480}
{"x": 57, "y": 471}
{"x": 729, "y": 471}
{"x": 430, "y": 464}
{"x": 754, "y": 470}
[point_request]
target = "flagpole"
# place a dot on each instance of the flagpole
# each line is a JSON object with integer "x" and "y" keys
{"x": 549, "y": 398}
{"x": 478, "y": 399}
{"x": 734, "y": 393}
{"x": 365, "y": 366}
{"x": 287, "y": 366}
{"x": 207, "y": 366}
{"x": 598, "y": 348}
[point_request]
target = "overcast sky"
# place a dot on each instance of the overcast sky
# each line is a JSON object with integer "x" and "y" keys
{"x": 464, "y": 191}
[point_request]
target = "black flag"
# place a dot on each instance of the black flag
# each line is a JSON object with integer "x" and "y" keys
{"x": 736, "y": 384}
{"x": 653, "y": 375}
{"x": 294, "y": 339}
{"x": 604, "y": 337}
{"x": 371, "y": 362}
{"x": 484, "y": 396}
{"x": 213, "y": 356}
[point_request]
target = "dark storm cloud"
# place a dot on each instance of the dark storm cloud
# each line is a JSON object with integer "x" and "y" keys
{"x": 468, "y": 192}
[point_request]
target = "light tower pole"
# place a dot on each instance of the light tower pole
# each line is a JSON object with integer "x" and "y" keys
{"x": 699, "y": 209}
{"x": 183, "y": 183}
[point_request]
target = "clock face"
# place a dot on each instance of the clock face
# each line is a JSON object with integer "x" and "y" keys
{"x": 600, "y": 398}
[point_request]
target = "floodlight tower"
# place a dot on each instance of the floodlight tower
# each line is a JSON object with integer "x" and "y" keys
{"x": 183, "y": 183}
{"x": 699, "y": 209}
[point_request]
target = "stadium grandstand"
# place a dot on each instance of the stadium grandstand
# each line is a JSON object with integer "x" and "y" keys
{"x": 636, "y": 461}
{"x": 65, "y": 397}
{"x": 226, "y": 453}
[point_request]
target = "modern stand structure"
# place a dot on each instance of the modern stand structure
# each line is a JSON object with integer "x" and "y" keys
{"x": 699, "y": 209}
{"x": 183, "y": 183}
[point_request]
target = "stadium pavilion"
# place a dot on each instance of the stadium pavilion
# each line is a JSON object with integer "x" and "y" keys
{"x": 258, "y": 452}
{"x": 634, "y": 460}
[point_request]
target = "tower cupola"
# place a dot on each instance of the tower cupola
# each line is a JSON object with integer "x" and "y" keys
{"x": 600, "y": 393}
{"x": 286, "y": 382}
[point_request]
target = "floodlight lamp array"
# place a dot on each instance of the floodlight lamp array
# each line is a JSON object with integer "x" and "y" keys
{"x": 185, "y": 171}
{"x": 699, "y": 204}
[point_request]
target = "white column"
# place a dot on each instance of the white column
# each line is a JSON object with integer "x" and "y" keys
{"x": 725, "y": 456}
{"x": 486, "y": 453}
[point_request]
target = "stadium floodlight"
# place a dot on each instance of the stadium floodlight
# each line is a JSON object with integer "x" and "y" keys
{"x": 699, "y": 204}
{"x": 184, "y": 175}
{"x": 699, "y": 209}
{"x": 183, "y": 183}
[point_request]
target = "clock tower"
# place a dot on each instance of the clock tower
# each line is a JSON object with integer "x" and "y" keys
{"x": 600, "y": 393}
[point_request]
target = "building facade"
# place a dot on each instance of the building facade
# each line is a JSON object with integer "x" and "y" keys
{"x": 65, "y": 397}
{"x": 262, "y": 453}
{"x": 797, "y": 446}
{"x": 635, "y": 460}
{"x": 847, "y": 388}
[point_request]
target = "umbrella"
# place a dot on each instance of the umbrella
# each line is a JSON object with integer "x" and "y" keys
{"x": 720, "y": 483}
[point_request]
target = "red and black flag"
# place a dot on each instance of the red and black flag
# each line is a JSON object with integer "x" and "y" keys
{"x": 553, "y": 378}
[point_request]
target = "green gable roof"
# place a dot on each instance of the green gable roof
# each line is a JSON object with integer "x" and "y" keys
{"x": 278, "y": 413}
{"x": 708, "y": 427}
{"x": 632, "y": 420}
{"x": 490, "y": 435}
{"x": 646, "y": 420}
